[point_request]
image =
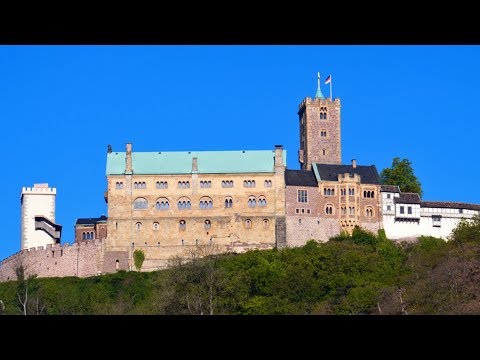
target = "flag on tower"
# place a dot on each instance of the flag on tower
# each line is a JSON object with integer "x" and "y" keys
{"x": 328, "y": 80}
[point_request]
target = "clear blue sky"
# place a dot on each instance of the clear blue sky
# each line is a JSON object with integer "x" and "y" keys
{"x": 60, "y": 106}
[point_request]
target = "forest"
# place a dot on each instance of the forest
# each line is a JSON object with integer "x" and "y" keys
{"x": 358, "y": 274}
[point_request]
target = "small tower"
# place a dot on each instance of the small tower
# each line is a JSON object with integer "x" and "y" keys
{"x": 320, "y": 136}
{"x": 38, "y": 226}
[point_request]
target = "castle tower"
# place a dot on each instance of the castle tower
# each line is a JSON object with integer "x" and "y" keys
{"x": 38, "y": 216}
{"x": 320, "y": 137}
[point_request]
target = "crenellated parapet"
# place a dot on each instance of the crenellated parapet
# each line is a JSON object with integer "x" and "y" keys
{"x": 84, "y": 258}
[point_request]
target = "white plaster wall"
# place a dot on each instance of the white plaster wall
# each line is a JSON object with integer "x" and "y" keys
{"x": 401, "y": 229}
{"x": 35, "y": 202}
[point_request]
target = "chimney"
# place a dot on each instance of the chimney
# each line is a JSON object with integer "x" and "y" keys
{"x": 278, "y": 155}
{"x": 194, "y": 165}
{"x": 128, "y": 159}
{"x": 354, "y": 163}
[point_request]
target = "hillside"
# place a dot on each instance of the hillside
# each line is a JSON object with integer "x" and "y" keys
{"x": 358, "y": 274}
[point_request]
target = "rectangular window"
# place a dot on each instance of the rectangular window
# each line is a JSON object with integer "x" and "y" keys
{"x": 409, "y": 210}
{"x": 389, "y": 208}
{"x": 303, "y": 211}
{"x": 297, "y": 211}
{"x": 402, "y": 210}
{"x": 460, "y": 211}
{"x": 388, "y": 196}
{"x": 308, "y": 211}
{"x": 436, "y": 220}
{"x": 302, "y": 196}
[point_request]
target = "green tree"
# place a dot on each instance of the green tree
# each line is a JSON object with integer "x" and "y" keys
{"x": 401, "y": 173}
{"x": 138, "y": 258}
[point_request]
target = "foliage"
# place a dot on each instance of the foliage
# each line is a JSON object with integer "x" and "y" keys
{"x": 401, "y": 173}
{"x": 360, "y": 273}
{"x": 138, "y": 259}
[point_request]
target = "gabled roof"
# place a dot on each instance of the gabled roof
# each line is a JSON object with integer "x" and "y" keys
{"x": 451, "y": 205}
{"x": 91, "y": 221}
{"x": 390, "y": 188}
{"x": 209, "y": 162}
{"x": 407, "y": 198}
{"x": 329, "y": 172}
{"x": 300, "y": 178}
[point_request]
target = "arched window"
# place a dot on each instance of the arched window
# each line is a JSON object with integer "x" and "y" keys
{"x": 324, "y": 151}
{"x": 207, "y": 224}
{"x": 262, "y": 201}
{"x": 182, "y": 226}
{"x": 267, "y": 183}
{"x": 184, "y": 203}
{"x": 162, "y": 185}
{"x": 117, "y": 264}
{"x": 252, "y": 202}
{"x": 248, "y": 224}
{"x": 140, "y": 204}
{"x": 265, "y": 223}
{"x": 369, "y": 211}
{"x": 92, "y": 235}
{"x": 184, "y": 184}
{"x": 162, "y": 204}
{"x": 119, "y": 185}
{"x": 84, "y": 236}
{"x": 205, "y": 203}
{"x": 228, "y": 202}
{"x": 329, "y": 209}
{"x": 138, "y": 226}
{"x": 351, "y": 191}
{"x": 352, "y": 210}
{"x": 156, "y": 226}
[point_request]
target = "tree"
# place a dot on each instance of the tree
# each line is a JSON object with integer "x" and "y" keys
{"x": 138, "y": 258}
{"x": 401, "y": 173}
{"x": 27, "y": 293}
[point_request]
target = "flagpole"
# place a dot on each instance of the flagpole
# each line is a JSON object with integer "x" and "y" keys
{"x": 331, "y": 95}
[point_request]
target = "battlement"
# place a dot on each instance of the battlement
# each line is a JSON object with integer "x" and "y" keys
{"x": 42, "y": 189}
{"x": 349, "y": 177}
{"x": 78, "y": 259}
{"x": 318, "y": 101}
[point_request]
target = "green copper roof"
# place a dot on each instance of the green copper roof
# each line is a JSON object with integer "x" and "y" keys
{"x": 209, "y": 162}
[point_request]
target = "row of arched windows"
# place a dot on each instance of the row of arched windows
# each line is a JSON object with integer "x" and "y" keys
{"x": 351, "y": 191}
{"x": 186, "y": 184}
{"x": 139, "y": 185}
{"x": 88, "y": 235}
{"x": 249, "y": 183}
{"x": 205, "y": 184}
{"x": 369, "y": 194}
{"x": 162, "y": 185}
{"x": 227, "y": 184}
{"x": 329, "y": 192}
{"x": 184, "y": 203}
{"x": 182, "y": 225}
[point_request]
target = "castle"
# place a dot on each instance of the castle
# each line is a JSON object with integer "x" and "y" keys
{"x": 166, "y": 202}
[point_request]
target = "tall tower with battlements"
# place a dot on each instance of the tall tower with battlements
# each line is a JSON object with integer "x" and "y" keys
{"x": 320, "y": 136}
{"x": 38, "y": 226}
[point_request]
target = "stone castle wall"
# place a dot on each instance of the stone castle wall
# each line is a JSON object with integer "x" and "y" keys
{"x": 83, "y": 259}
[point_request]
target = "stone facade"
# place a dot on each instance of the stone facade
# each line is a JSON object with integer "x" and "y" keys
{"x": 79, "y": 259}
{"x": 163, "y": 231}
{"x": 320, "y": 136}
{"x": 91, "y": 228}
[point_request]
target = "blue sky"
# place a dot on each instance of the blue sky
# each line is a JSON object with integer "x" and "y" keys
{"x": 61, "y": 106}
